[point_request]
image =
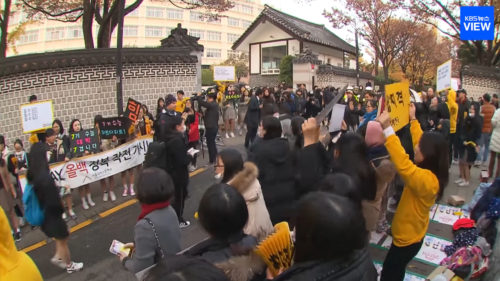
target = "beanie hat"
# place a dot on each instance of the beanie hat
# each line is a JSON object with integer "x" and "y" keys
{"x": 374, "y": 134}
{"x": 463, "y": 223}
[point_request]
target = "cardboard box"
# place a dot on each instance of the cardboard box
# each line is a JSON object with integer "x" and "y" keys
{"x": 455, "y": 200}
{"x": 448, "y": 274}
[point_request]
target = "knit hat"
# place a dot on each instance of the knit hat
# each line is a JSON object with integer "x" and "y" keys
{"x": 170, "y": 99}
{"x": 374, "y": 134}
{"x": 463, "y": 223}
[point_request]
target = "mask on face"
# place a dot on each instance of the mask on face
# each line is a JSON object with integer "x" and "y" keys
{"x": 218, "y": 176}
{"x": 472, "y": 115}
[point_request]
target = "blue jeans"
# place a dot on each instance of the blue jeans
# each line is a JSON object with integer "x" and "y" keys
{"x": 484, "y": 144}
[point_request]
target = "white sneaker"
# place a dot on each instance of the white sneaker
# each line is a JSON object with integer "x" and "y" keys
{"x": 58, "y": 262}
{"x": 125, "y": 191}
{"x": 184, "y": 224}
{"x": 227, "y": 136}
{"x": 464, "y": 183}
{"x": 22, "y": 222}
{"x": 74, "y": 266}
{"x": 112, "y": 196}
{"x": 191, "y": 168}
{"x": 64, "y": 216}
{"x": 131, "y": 191}
{"x": 231, "y": 134}
{"x": 91, "y": 203}
{"x": 72, "y": 214}
{"x": 460, "y": 180}
{"x": 84, "y": 204}
{"x": 105, "y": 197}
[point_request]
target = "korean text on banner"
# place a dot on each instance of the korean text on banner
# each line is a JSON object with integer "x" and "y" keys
{"x": 443, "y": 76}
{"x": 132, "y": 110}
{"x": 224, "y": 73}
{"x": 85, "y": 140}
{"x": 397, "y": 103}
{"x": 37, "y": 116}
{"x": 114, "y": 126}
{"x": 88, "y": 169}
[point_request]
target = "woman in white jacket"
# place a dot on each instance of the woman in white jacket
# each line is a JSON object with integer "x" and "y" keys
{"x": 495, "y": 145}
{"x": 244, "y": 178}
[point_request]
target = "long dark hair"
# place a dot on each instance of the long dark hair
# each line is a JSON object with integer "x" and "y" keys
{"x": 71, "y": 125}
{"x": 272, "y": 126}
{"x": 37, "y": 157}
{"x": 352, "y": 160}
{"x": 61, "y": 128}
{"x": 233, "y": 163}
{"x": 434, "y": 148}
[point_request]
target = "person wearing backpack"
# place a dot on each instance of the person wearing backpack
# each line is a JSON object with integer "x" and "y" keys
{"x": 47, "y": 194}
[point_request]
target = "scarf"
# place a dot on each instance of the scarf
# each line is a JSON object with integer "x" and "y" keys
{"x": 369, "y": 116}
{"x": 148, "y": 208}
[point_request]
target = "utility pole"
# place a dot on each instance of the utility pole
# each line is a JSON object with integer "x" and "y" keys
{"x": 119, "y": 63}
{"x": 357, "y": 56}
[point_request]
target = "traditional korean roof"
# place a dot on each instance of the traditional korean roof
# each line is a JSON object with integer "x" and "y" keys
{"x": 179, "y": 38}
{"x": 307, "y": 56}
{"x": 298, "y": 28}
{"x": 336, "y": 70}
{"x": 481, "y": 71}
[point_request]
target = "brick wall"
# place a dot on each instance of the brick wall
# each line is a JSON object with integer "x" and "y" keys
{"x": 477, "y": 86}
{"x": 263, "y": 80}
{"x": 324, "y": 80}
{"x": 85, "y": 91}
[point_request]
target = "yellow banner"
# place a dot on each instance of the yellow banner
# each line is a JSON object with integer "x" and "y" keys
{"x": 397, "y": 103}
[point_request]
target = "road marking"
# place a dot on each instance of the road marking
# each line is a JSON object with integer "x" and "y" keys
{"x": 101, "y": 215}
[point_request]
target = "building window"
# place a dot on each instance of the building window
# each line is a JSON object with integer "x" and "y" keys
{"x": 271, "y": 59}
{"x": 56, "y": 33}
{"x": 154, "y": 12}
{"x": 130, "y": 30}
{"x": 213, "y": 36}
{"x": 74, "y": 32}
{"x": 233, "y": 22}
{"x": 245, "y": 23}
{"x": 213, "y": 53}
{"x": 174, "y": 14}
{"x": 246, "y": 9}
{"x": 231, "y": 37}
{"x": 154, "y": 31}
{"x": 197, "y": 33}
{"x": 195, "y": 16}
{"x": 28, "y": 37}
{"x": 231, "y": 53}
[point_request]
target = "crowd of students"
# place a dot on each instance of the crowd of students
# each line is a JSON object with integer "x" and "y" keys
{"x": 332, "y": 189}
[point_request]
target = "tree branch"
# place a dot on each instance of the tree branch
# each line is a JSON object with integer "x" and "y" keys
{"x": 54, "y": 15}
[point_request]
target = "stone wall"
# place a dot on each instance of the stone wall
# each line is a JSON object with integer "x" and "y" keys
{"x": 83, "y": 91}
{"x": 477, "y": 86}
{"x": 324, "y": 80}
{"x": 257, "y": 80}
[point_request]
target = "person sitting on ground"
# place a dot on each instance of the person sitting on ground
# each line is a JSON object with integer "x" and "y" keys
{"x": 330, "y": 241}
{"x": 243, "y": 177}
{"x": 157, "y": 226}
{"x": 223, "y": 214}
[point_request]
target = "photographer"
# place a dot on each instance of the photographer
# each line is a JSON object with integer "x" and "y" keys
{"x": 211, "y": 118}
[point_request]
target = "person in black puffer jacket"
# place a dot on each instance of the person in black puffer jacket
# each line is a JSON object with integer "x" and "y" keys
{"x": 331, "y": 241}
{"x": 276, "y": 174}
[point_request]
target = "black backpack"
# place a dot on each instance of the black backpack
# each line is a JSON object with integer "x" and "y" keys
{"x": 156, "y": 156}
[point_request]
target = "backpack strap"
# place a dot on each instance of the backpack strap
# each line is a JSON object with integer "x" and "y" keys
{"x": 158, "y": 250}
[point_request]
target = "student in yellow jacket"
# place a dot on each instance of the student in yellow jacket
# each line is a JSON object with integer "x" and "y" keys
{"x": 424, "y": 181}
{"x": 180, "y": 104}
{"x": 14, "y": 265}
{"x": 453, "y": 108}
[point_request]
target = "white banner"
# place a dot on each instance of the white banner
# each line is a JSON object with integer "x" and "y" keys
{"x": 443, "y": 76}
{"x": 224, "y": 73}
{"x": 36, "y": 116}
{"x": 91, "y": 168}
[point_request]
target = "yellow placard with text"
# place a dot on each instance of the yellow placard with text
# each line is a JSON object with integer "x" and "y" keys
{"x": 397, "y": 104}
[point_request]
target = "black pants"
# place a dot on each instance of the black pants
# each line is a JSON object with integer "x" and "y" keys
{"x": 211, "y": 134}
{"x": 396, "y": 261}
{"x": 454, "y": 145}
{"x": 180, "y": 195}
{"x": 250, "y": 136}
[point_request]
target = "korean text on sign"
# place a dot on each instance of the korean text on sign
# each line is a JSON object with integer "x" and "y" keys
{"x": 133, "y": 108}
{"x": 397, "y": 103}
{"x": 85, "y": 140}
{"x": 114, "y": 126}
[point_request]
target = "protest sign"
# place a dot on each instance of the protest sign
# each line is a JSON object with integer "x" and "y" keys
{"x": 85, "y": 140}
{"x": 233, "y": 95}
{"x": 114, "y": 126}
{"x": 91, "y": 168}
{"x": 447, "y": 214}
{"x": 443, "y": 76}
{"x": 432, "y": 250}
{"x": 337, "y": 118}
{"x": 224, "y": 73}
{"x": 37, "y": 116}
{"x": 397, "y": 103}
{"x": 132, "y": 111}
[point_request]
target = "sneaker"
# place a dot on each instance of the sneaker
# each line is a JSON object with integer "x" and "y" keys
{"x": 477, "y": 163}
{"x": 74, "y": 266}
{"x": 22, "y": 222}
{"x": 105, "y": 197}
{"x": 84, "y": 204}
{"x": 231, "y": 134}
{"x": 112, "y": 196}
{"x": 125, "y": 191}
{"x": 17, "y": 236}
{"x": 58, "y": 262}
{"x": 227, "y": 136}
{"x": 184, "y": 224}
{"x": 72, "y": 214}
{"x": 64, "y": 216}
{"x": 464, "y": 183}
{"x": 132, "y": 192}
{"x": 91, "y": 203}
{"x": 191, "y": 168}
{"x": 454, "y": 162}
{"x": 459, "y": 181}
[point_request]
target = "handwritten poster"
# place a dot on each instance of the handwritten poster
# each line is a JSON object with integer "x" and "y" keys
{"x": 432, "y": 250}
{"x": 443, "y": 75}
{"x": 132, "y": 111}
{"x": 37, "y": 116}
{"x": 114, "y": 126}
{"x": 224, "y": 73}
{"x": 397, "y": 103}
{"x": 85, "y": 140}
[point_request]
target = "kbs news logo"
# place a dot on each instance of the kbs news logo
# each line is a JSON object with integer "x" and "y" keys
{"x": 477, "y": 23}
